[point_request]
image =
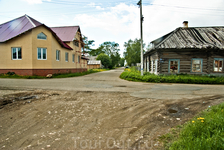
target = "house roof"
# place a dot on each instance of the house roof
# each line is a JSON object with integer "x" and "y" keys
{"x": 66, "y": 34}
{"x": 94, "y": 62}
{"x": 192, "y": 38}
{"x": 21, "y": 25}
{"x": 16, "y": 27}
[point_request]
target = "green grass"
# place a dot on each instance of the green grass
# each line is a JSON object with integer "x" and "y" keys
{"x": 204, "y": 132}
{"x": 133, "y": 75}
{"x": 12, "y": 75}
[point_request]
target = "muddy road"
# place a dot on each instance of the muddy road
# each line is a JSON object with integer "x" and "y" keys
{"x": 100, "y": 115}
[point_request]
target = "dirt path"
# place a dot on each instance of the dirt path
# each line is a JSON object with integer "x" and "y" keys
{"x": 97, "y": 111}
{"x": 40, "y": 119}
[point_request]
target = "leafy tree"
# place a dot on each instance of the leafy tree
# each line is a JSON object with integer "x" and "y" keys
{"x": 133, "y": 51}
{"x": 88, "y": 44}
{"x": 115, "y": 58}
{"x": 121, "y": 62}
{"x": 95, "y": 52}
{"x": 110, "y": 48}
{"x": 105, "y": 60}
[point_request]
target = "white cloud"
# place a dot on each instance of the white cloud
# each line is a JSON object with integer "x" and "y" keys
{"x": 35, "y": 1}
{"x": 122, "y": 22}
{"x": 95, "y": 6}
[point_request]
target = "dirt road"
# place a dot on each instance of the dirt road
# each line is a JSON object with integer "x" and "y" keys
{"x": 97, "y": 111}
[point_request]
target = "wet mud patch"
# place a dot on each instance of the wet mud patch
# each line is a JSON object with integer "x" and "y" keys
{"x": 22, "y": 98}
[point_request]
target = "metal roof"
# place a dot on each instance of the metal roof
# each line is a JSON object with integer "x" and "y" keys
{"x": 21, "y": 25}
{"x": 94, "y": 62}
{"x": 16, "y": 27}
{"x": 66, "y": 34}
{"x": 192, "y": 38}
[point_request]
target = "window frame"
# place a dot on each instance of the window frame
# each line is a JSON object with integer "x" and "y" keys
{"x": 41, "y": 48}
{"x": 58, "y": 52}
{"x": 73, "y": 58}
{"x": 17, "y": 54}
{"x": 192, "y": 65}
{"x": 78, "y": 59}
{"x": 217, "y": 59}
{"x": 178, "y": 65}
{"x": 40, "y": 38}
{"x": 66, "y": 57}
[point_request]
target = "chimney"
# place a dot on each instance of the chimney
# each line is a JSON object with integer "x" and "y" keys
{"x": 185, "y": 23}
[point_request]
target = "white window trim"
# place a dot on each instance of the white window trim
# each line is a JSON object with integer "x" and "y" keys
{"x": 201, "y": 65}
{"x": 219, "y": 59}
{"x": 16, "y": 53}
{"x": 79, "y": 59}
{"x": 151, "y": 66}
{"x": 73, "y": 58}
{"x": 40, "y": 38}
{"x": 41, "y": 53}
{"x": 58, "y": 53}
{"x": 156, "y": 65}
{"x": 67, "y": 57}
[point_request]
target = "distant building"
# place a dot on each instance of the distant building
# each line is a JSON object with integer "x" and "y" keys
{"x": 191, "y": 50}
{"x": 28, "y": 47}
{"x": 92, "y": 63}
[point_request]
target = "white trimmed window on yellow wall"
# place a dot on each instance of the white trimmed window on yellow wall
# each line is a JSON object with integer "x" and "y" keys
{"x": 73, "y": 58}
{"x": 57, "y": 55}
{"x": 41, "y": 53}
{"x": 78, "y": 59}
{"x": 16, "y": 53}
{"x": 66, "y": 56}
{"x": 41, "y": 36}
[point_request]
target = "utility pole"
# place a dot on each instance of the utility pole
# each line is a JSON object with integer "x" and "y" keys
{"x": 141, "y": 21}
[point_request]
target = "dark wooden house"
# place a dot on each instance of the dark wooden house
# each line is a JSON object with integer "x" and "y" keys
{"x": 194, "y": 50}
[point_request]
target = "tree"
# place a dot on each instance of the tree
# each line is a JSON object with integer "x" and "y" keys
{"x": 110, "y": 48}
{"x": 133, "y": 51}
{"x": 121, "y": 62}
{"x": 115, "y": 58}
{"x": 105, "y": 60}
{"x": 95, "y": 52}
{"x": 88, "y": 44}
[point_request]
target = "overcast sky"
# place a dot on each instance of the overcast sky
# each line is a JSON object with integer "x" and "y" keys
{"x": 117, "y": 20}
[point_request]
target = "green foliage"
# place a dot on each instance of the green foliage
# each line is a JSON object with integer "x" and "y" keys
{"x": 95, "y": 52}
{"x": 111, "y": 49}
{"x": 115, "y": 58}
{"x": 179, "y": 78}
{"x": 133, "y": 51}
{"x": 105, "y": 60}
{"x": 121, "y": 62}
{"x": 54, "y": 75}
{"x": 203, "y": 133}
{"x": 88, "y": 44}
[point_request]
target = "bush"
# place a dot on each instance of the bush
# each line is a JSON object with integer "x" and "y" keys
{"x": 10, "y": 73}
{"x": 134, "y": 75}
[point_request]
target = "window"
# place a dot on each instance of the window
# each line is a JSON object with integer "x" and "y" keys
{"x": 16, "y": 53}
{"x": 174, "y": 65}
{"x": 76, "y": 43}
{"x": 41, "y": 36}
{"x": 78, "y": 59}
{"x": 196, "y": 65}
{"x": 154, "y": 66}
{"x": 66, "y": 57}
{"x": 218, "y": 64}
{"x": 57, "y": 55}
{"x": 73, "y": 58}
{"x": 41, "y": 53}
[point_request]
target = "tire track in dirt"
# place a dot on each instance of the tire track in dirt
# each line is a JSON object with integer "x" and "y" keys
{"x": 77, "y": 120}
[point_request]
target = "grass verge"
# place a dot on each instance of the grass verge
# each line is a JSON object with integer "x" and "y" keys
{"x": 12, "y": 75}
{"x": 133, "y": 75}
{"x": 203, "y": 132}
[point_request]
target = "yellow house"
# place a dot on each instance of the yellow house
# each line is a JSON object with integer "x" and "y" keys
{"x": 29, "y": 47}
